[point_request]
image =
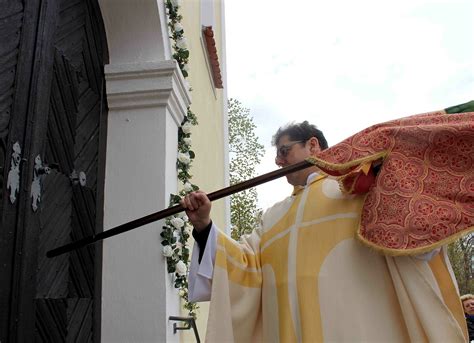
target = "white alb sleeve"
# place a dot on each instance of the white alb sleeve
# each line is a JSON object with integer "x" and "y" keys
{"x": 200, "y": 274}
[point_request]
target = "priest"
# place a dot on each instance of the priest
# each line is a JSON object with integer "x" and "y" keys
{"x": 357, "y": 251}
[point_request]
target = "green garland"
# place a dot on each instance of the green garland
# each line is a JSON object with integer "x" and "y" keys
{"x": 177, "y": 229}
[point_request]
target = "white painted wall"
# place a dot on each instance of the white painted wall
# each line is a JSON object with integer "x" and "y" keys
{"x": 147, "y": 101}
{"x": 135, "y": 30}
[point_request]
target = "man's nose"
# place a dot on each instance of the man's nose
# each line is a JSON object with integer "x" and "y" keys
{"x": 279, "y": 161}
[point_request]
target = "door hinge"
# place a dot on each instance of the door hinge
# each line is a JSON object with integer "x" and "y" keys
{"x": 78, "y": 178}
{"x": 13, "y": 181}
{"x": 38, "y": 171}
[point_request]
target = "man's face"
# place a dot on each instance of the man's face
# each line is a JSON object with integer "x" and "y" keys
{"x": 468, "y": 306}
{"x": 290, "y": 152}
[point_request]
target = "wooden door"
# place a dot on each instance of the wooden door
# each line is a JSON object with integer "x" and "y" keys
{"x": 57, "y": 114}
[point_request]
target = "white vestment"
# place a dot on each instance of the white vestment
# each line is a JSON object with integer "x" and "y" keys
{"x": 303, "y": 277}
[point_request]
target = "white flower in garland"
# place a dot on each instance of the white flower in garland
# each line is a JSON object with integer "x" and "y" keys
{"x": 176, "y": 3}
{"x": 186, "y": 127}
{"x": 188, "y": 187}
{"x": 176, "y": 234}
{"x": 179, "y": 259}
{"x": 182, "y": 43}
{"x": 187, "y": 141}
{"x": 184, "y": 158}
{"x": 177, "y": 222}
{"x": 181, "y": 268}
{"x": 178, "y": 27}
{"x": 186, "y": 68}
{"x": 183, "y": 216}
{"x": 167, "y": 251}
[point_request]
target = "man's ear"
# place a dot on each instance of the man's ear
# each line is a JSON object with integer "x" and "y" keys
{"x": 314, "y": 145}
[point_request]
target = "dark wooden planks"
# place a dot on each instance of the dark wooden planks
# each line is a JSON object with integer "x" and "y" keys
{"x": 11, "y": 16}
{"x": 56, "y": 49}
{"x": 80, "y": 320}
{"x": 73, "y": 143}
{"x": 23, "y": 317}
{"x": 11, "y": 27}
{"x": 55, "y": 226}
{"x": 83, "y": 260}
{"x": 51, "y": 322}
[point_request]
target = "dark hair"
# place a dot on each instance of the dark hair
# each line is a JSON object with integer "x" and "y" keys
{"x": 300, "y": 132}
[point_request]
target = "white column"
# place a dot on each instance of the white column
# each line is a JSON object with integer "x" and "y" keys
{"x": 147, "y": 102}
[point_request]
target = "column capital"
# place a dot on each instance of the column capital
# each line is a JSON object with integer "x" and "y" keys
{"x": 148, "y": 84}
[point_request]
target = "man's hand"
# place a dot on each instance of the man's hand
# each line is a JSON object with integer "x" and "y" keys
{"x": 198, "y": 209}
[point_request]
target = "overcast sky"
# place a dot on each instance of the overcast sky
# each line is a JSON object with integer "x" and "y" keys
{"x": 345, "y": 65}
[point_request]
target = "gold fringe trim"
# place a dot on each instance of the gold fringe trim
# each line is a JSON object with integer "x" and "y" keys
{"x": 335, "y": 166}
{"x": 415, "y": 251}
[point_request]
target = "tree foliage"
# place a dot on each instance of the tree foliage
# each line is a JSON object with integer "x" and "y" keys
{"x": 461, "y": 254}
{"x": 245, "y": 153}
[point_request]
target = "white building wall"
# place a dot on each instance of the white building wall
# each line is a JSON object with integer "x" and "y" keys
{"x": 147, "y": 101}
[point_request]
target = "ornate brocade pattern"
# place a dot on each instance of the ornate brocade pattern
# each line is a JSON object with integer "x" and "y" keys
{"x": 423, "y": 195}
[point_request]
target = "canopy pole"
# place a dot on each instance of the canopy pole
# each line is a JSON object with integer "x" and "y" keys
{"x": 176, "y": 209}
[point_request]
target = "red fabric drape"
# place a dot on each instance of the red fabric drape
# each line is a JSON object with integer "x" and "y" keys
{"x": 423, "y": 195}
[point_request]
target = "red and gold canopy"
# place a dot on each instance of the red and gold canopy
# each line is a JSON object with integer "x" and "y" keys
{"x": 423, "y": 194}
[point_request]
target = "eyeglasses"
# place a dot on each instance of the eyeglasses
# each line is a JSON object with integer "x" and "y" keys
{"x": 284, "y": 150}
